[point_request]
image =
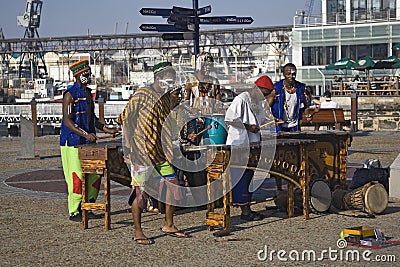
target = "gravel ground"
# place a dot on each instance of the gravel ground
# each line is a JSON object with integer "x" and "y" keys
{"x": 35, "y": 229}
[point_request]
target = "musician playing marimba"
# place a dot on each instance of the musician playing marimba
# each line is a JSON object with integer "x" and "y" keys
{"x": 79, "y": 127}
{"x": 244, "y": 117}
{"x": 289, "y": 104}
{"x": 148, "y": 148}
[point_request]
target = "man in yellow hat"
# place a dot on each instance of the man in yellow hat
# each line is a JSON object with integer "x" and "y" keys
{"x": 78, "y": 127}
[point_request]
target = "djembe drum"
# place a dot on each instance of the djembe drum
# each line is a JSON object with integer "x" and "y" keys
{"x": 371, "y": 198}
{"x": 320, "y": 196}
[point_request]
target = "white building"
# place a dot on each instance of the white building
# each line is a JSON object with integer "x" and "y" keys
{"x": 347, "y": 28}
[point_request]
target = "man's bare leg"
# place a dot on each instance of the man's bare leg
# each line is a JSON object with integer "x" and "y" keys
{"x": 137, "y": 220}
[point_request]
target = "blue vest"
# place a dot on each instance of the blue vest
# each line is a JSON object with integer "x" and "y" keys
{"x": 80, "y": 110}
{"x": 278, "y": 107}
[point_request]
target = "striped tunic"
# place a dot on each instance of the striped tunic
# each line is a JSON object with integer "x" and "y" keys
{"x": 147, "y": 135}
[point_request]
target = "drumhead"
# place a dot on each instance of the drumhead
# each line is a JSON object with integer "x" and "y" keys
{"x": 320, "y": 196}
{"x": 376, "y": 199}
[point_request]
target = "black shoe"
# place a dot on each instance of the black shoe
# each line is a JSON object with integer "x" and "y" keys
{"x": 92, "y": 215}
{"x": 76, "y": 218}
{"x": 253, "y": 216}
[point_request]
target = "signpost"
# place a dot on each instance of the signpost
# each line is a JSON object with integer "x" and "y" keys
{"x": 155, "y": 12}
{"x": 160, "y": 28}
{"x": 178, "y": 36}
{"x": 184, "y": 23}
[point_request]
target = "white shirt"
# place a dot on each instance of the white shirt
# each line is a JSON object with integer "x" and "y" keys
{"x": 329, "y": 104}
{"x": 289, "y": 116}
{"x": 243, "y": 110}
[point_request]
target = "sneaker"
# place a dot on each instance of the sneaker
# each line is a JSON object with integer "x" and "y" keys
{"x": 76, "y": 218}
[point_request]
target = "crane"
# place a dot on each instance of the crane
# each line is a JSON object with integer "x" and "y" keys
{"x": 306, "y": 12}
{"x": 31, "y": 22}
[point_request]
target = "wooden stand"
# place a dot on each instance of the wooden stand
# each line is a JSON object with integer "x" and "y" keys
{"x": 218, "y": 170}
{"x": 93, "y": 161}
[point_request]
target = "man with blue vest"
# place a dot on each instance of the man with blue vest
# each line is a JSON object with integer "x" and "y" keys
{"x": 78, "y": 127}
{"x": 289, "y": 104}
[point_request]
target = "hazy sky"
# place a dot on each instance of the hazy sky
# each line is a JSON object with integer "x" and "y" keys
{"x": 75, "y": 17}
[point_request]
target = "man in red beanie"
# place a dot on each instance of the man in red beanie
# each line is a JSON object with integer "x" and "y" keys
{"x": 243, "y": 118}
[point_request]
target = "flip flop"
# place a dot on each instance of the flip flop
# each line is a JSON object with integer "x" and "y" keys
{"x": 177, "y": 234}
{"x": 143, "y": 241}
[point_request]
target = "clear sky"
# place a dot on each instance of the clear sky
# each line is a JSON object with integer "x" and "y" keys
{"x": 75, "y": 17}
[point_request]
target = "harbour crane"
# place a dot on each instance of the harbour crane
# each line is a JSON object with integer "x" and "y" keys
{"x": 31, "y": 22}
{"x": 306, "y": 12}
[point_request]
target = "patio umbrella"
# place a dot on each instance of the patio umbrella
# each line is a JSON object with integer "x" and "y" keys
{"x": 342, "y": 64}
{"x": 387, "y": 63}
{"x": 365, "y": 63}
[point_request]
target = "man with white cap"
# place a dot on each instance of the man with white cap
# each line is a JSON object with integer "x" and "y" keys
{"x": 243, "y": 118}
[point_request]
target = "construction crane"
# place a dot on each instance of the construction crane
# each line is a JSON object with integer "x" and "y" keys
{"x": 306, "y": 12}
{"x": 31, "y": 22}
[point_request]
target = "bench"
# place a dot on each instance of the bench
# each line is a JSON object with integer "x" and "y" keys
{"x": 331, "y": 117}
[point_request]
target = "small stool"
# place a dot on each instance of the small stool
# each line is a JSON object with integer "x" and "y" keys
{"x": 93, "y": 161}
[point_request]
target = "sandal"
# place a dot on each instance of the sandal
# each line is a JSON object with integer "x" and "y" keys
{"x": 177, "y": 234}
{"x": 143, "y": 241}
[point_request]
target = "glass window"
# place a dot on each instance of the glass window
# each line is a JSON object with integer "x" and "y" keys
{"x": 322, "y": 55}
{"x": 336, "y": 11}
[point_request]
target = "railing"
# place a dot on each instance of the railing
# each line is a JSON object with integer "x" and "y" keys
{"x": 381, "y": 88}
{"x": 52, "y": 112}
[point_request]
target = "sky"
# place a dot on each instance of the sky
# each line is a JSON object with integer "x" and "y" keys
{"x": 78, "y": 17}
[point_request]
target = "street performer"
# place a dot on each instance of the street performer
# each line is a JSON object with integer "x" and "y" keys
{"x": 147, "y": 142}
{"x": 79, "y": 127}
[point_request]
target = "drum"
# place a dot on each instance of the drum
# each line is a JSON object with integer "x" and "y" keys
{"x": 217, "y": 134}
{"x": 338, "y": 198}
{"x": 371, "y": 198}
{"x": 320, "y": 196}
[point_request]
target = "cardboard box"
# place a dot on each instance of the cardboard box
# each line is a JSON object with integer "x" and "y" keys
{"x": 362, "y": 231}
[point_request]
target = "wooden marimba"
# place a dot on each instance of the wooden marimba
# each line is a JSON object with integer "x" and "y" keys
{"x": 105, "y": 159}
{"x": 293, "y": 168}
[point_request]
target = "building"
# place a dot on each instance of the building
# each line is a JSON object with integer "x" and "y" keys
{"x": 345, "y": 28}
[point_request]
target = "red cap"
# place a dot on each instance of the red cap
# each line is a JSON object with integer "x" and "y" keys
{"x": 265, "y": 82}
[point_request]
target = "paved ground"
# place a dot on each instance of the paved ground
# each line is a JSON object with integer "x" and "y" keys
{"x": 35, "y": 229}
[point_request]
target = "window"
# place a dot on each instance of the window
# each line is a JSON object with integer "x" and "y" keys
{"x": 322, "y": 55}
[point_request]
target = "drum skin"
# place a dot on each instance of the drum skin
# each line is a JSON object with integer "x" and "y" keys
{"x": 376, "y": 199}
{"x": 320, "y": 196}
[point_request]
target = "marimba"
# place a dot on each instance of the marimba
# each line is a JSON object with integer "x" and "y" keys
{"x": 293, "y": 168}
{"x": 328, "y": 160}
{"x": 105, "y": 159}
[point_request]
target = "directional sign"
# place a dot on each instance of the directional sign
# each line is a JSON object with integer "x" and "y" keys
{"x": 186, "y": 26}
{"x": 155, "y": 12}
{"x": 244, "y": 20}
{"x": 217, "y": 20}
{"x": 183, "y": 11}
{"x": 204, "y": 10}
{"x": 180, "y": 18}
{"x": 159, "y": 28}
{"x": 177, "y": 36}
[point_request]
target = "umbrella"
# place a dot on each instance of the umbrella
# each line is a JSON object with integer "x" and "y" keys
{"x": 387, "y": 63}
{"x": 365, "y": 63}
{"x": 342, "y": 64}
